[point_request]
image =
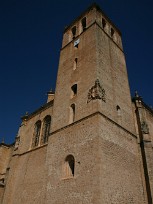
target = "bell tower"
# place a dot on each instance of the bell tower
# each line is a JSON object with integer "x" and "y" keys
{"x": 93, "y": 155}
{"x": 92, "y": 66}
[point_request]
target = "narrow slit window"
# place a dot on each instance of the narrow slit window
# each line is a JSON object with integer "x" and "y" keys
{"x": 112, "y": 32}
{"x": 72, "y": 113}
{"x": 103, "y": 23}
{"x": 118, "y": 110}
{"x": 69, "y": 166}
{"x": 83, "y": 23}
{"x": 74, "y": 31}
{"x": 75, "y": 63}
{"x": 74, "y": 90}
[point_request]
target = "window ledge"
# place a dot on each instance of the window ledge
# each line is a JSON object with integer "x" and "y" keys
{"x": 68, "y": 178}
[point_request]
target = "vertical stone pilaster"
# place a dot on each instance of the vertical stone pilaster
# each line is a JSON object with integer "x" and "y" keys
{"x": 145, "y": 146}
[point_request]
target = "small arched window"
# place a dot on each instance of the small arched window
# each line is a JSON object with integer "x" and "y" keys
{"x": 74, "y": 31}
{"x": 72, "y": 113}
{"x": 118, "y": 110}
{"x": 83, "y": 21}
{"x": 36, "y": 135}
{"x": 103, "y": 23}
{"x": 75, "y": 64}
{"x": 112, "y": 32}
{"x": 69, "y": 166}
{"x": 73, "y": 90}
{"x": 46, "y": 129}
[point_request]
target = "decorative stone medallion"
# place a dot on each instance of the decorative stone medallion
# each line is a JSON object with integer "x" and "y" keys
{"x": 96, "y": 92}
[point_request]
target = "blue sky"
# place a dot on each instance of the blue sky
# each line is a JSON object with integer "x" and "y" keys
{"x": 30, "y": 41}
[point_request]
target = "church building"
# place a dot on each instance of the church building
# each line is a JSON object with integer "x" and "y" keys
{"x": 90, "y": 143}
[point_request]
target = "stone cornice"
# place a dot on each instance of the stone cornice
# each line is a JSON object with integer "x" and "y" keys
{"x": 91, "y": 115}
{"x": 42, "y": 108}
{"x": 31, "y": 150}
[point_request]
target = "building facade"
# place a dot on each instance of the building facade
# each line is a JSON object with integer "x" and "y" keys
{"x": 90, "y": 143}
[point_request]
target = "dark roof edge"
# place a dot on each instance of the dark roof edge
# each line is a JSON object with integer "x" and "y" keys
{"x": 43, "y": 107}
{"x": 147, "y": 107}
{"x": 6, "y": 145}
{"x": 87, "y": 10}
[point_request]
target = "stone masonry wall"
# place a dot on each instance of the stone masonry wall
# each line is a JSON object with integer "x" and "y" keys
{"x": 5, "y": 155}
{"x": 80, "y": 140}
{"x": 120, "y": 175}
{"x": 26, "y": 182}
{"x": 149, "y": 146}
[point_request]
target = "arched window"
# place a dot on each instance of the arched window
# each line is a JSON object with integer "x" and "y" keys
{"x": 112, "y": 32}
{"x": 73, "y": 90}
{"x": 72, "y": 113}
{"x": 75, "y": 64}
{"x": 103, "y": 23}
{"x": 118, "y": 110}
{"x": 69, "y": 166}
{"x": 74, "y": 31}
{"x": 36, "y": 135}
{"x": 83, "y": 21}
{"x": 46, "y": 129}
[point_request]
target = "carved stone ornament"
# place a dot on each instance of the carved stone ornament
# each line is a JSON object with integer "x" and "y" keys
{"x": 96, "y": 92}
{"x": 144, "y": 127}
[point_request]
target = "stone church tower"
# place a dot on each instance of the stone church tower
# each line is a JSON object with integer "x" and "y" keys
{"x": 83, "y": 145}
